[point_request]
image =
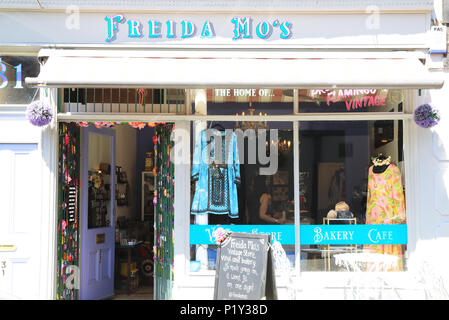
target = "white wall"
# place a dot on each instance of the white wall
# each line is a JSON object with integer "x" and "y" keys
{"x": 433, "y": 186}
{"x": 24, "y": 186}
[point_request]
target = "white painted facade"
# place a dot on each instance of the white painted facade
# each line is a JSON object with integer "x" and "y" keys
{"x": 357, "y": 26}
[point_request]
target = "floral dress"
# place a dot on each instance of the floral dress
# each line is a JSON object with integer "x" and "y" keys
{"x": 386, "y": 205}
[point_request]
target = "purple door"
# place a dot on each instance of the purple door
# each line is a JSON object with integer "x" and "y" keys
{"x": 98, "y": 213}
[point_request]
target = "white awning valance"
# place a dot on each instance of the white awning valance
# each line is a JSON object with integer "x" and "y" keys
{"x": 230, "y": 69}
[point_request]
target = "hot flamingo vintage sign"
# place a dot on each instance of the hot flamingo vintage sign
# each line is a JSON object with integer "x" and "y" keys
{"x": 353, "y": 98}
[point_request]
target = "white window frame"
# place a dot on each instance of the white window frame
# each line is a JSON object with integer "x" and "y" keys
{"x": 323, "y": 279}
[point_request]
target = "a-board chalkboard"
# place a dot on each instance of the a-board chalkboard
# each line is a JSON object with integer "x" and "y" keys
{"x": 245, "y": 268}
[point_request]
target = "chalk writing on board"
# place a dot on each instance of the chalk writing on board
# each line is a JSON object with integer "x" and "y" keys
{"x": 242, "y": 267}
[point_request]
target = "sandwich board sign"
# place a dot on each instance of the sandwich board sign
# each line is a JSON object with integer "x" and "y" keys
{"x": 245, "y": 269}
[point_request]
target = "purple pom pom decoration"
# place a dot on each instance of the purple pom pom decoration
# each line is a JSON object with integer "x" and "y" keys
{"x": 39, "y": 113}
{"x": 426, "y": 117}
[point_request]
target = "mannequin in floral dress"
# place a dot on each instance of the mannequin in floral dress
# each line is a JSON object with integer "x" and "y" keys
{"x": 385, "y": 202}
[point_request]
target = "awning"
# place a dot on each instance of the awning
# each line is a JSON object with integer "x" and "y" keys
{"x": 230, "y": 69}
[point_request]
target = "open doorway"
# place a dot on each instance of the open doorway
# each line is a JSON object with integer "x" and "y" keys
{"x": 134, "y": 228}
{"x": 117, "y": 175}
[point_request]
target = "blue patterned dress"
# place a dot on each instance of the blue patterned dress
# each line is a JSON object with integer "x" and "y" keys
{"x": 216, "y": 168}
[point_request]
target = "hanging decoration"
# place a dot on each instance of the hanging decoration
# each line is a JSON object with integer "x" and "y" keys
{"x": 109, "y": 124}
{"x": 220, "y": 235}
{"x": 142, "y": 94}
{"x": 426, "y": 117}
{"x": 137, "y": 125}
{"x": 39, "y": 113}
{"x": 105, "y": 124}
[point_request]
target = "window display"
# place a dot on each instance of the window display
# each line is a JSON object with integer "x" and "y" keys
{"x": 250, "y": 190}
{"x": 216, "y": 170}
{"x": 349, "y": 182}
{"x": 385, "y": 202}
{"x": 355, "y": 190}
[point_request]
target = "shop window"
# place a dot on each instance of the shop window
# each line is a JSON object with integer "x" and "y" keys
{"x": 252, "y": 190}
{"x": 352, "y": 195}
{"x": 258, "y": 102}
{"x": 350, "y": 100}
{"x": 144, "y": 100}
{"x": 345, "y": 210}
{"x": 13, "y": 71}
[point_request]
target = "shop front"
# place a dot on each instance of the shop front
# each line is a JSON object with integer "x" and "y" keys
{"x": 171, "y": 127}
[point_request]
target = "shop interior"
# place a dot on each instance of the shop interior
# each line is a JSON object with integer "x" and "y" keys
{"x": 134, "y": 194}
{"x": 134, "y": 183}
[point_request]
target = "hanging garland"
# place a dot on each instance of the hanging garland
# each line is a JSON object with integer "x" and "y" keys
{"x": 426, "y": 117}
{"x": 39, "y": 113}
{"x": 110, "y": 124}
{"x": 68, "y": 226}
{"x": 164, "y": 219}
{"x": 106, "y": 124}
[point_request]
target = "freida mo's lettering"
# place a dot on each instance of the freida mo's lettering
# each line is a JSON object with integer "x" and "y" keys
{"x": 242, "y": 28}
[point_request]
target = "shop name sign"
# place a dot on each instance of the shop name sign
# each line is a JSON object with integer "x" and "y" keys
{"x": 311, "y": 234}
{"x": 242, "y": 28}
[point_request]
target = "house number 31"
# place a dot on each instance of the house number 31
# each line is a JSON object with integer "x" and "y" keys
{"x": 4, "y": 79}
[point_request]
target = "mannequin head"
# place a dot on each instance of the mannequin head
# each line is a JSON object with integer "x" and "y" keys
{"x": 381, "y": 163}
